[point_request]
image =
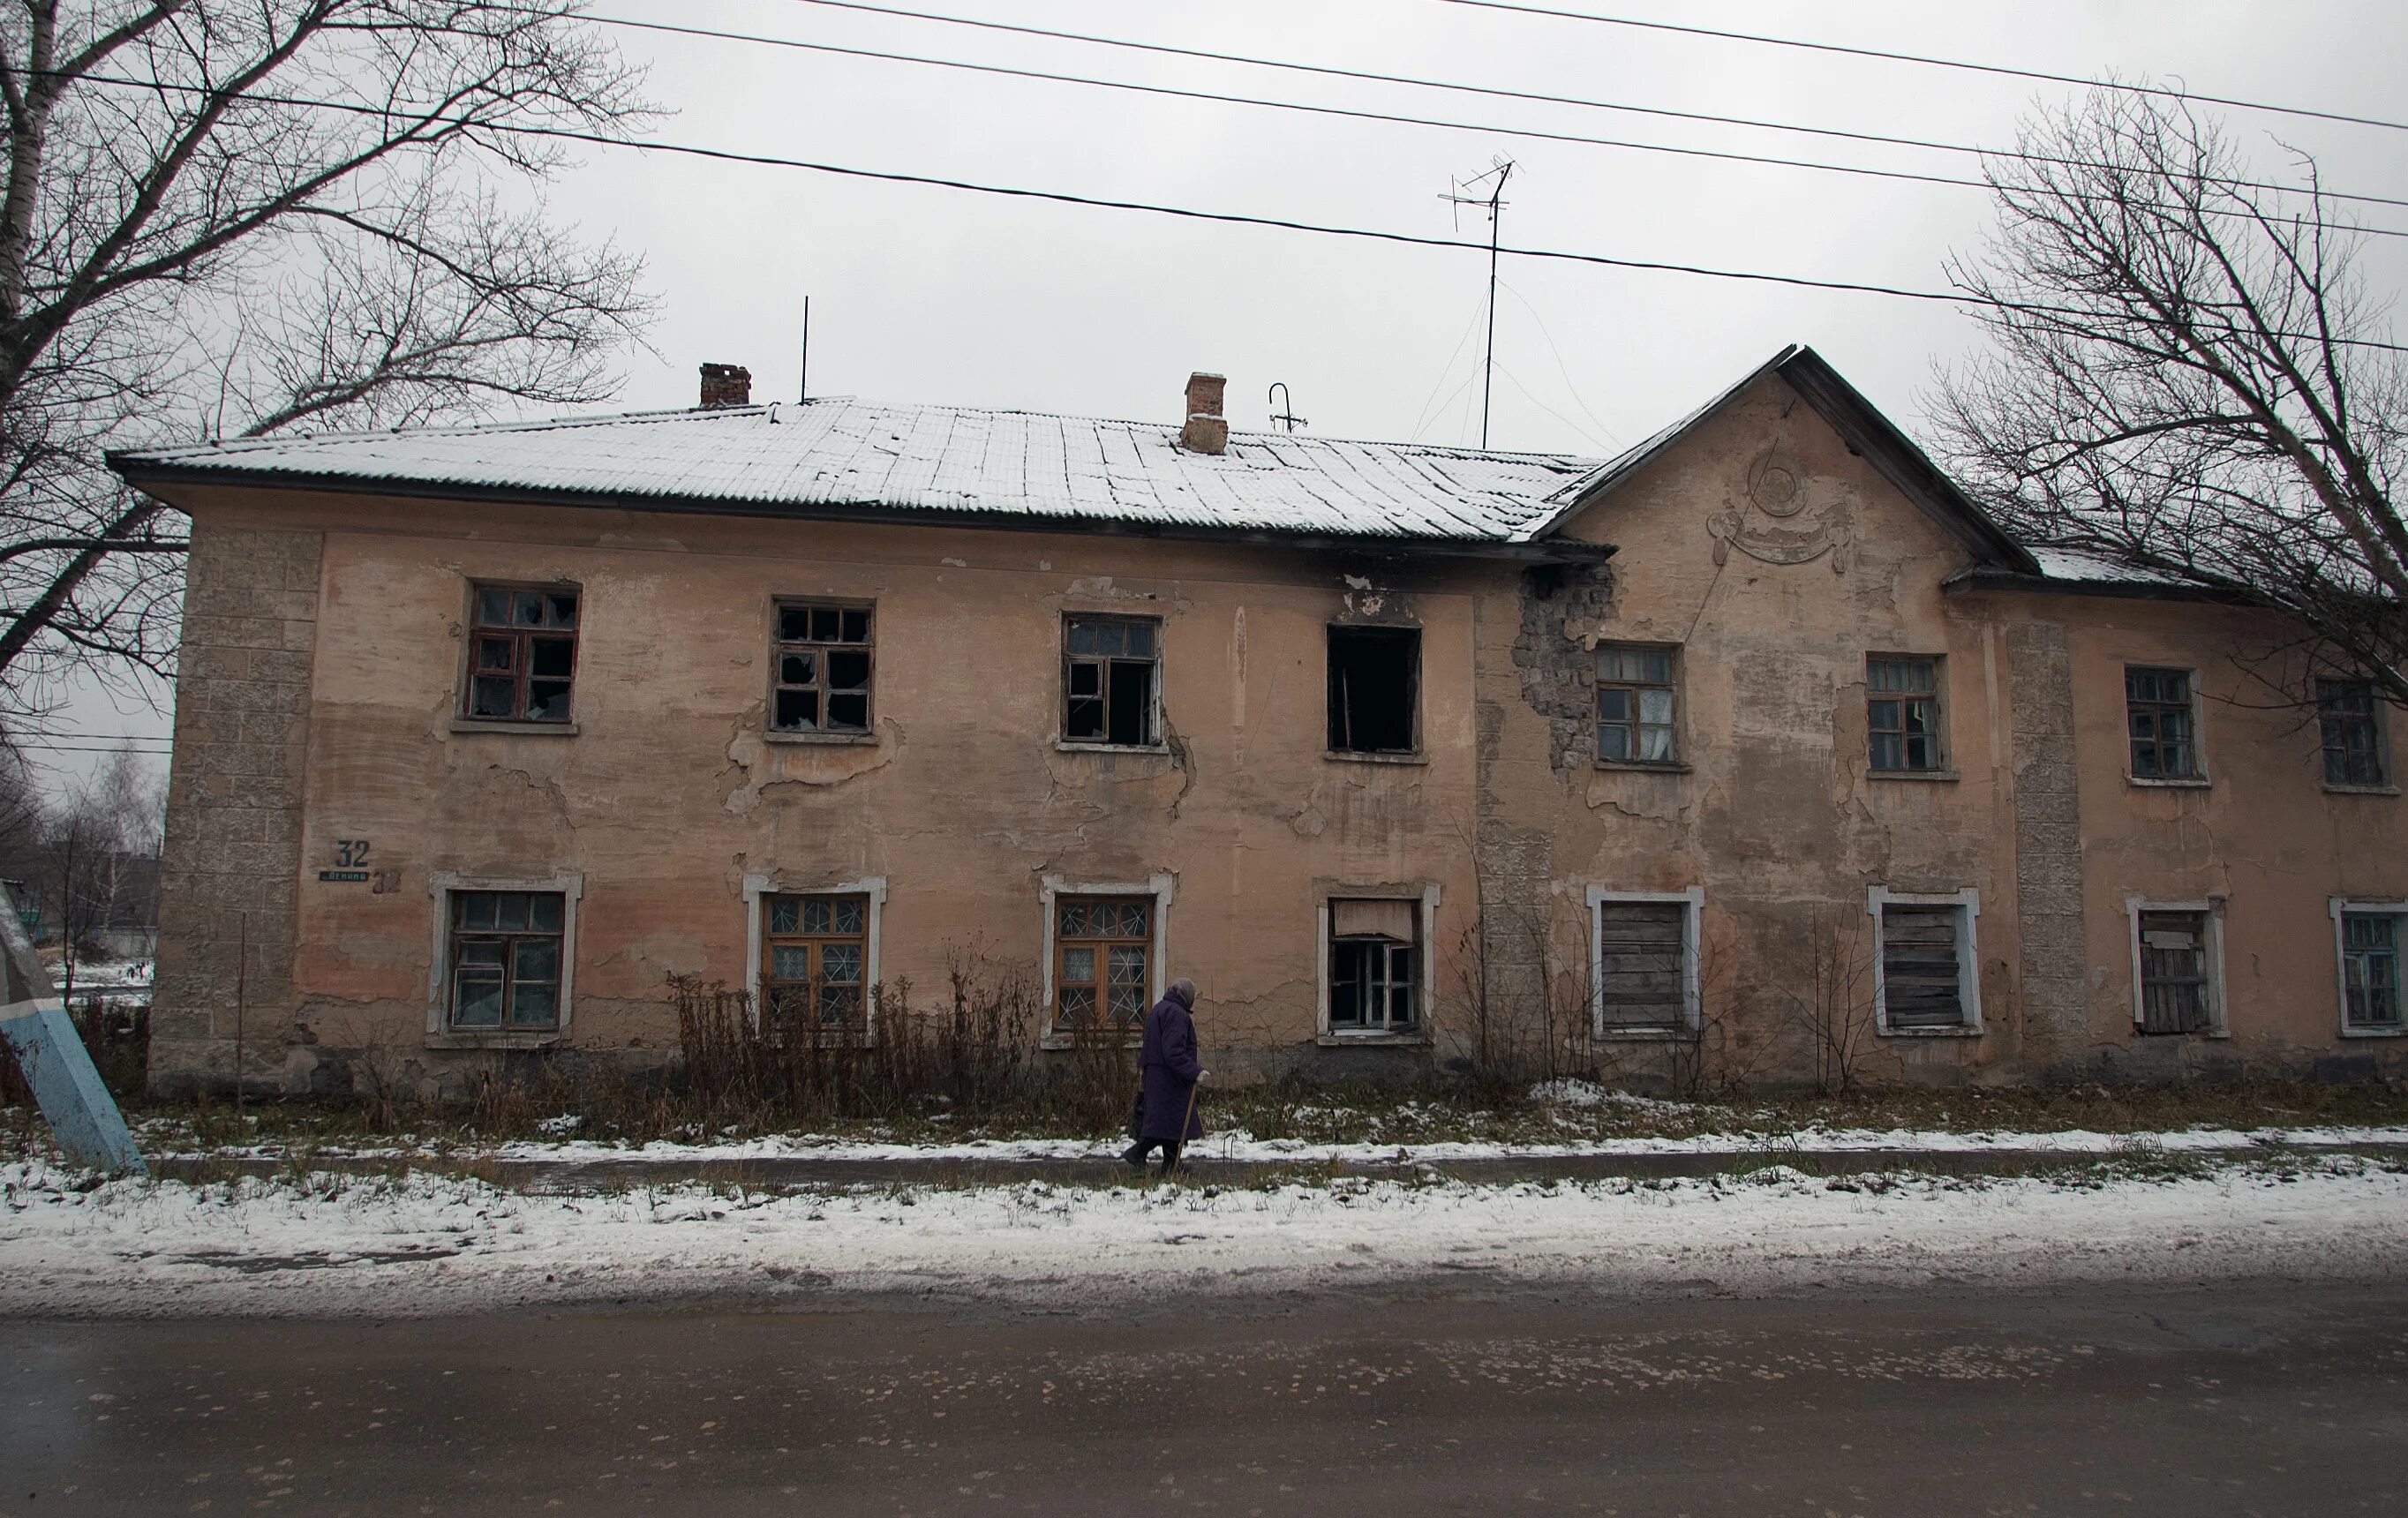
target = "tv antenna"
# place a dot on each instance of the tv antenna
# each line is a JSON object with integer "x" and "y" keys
{"x": 1464, "y": 192}
{"x": 1285, "y": 412}
{"x": 803, "y": 380}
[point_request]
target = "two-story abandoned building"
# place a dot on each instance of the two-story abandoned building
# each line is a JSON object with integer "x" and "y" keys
{"x": 1760, "y": 744}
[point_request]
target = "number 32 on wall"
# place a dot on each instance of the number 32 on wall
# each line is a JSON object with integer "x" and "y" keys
{"x": 351, "y": 853}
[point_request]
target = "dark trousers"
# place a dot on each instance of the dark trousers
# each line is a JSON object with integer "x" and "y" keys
{"x": 1137, "y": 1152}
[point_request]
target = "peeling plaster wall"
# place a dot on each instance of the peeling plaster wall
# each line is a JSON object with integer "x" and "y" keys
{"x": 670, "y": 792}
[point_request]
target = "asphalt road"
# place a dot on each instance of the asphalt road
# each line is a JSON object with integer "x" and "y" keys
{"x": 2259, "y": 1398}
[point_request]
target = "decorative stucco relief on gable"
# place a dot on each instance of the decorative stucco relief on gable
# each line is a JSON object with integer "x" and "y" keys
{"x": 1776, "y": 490}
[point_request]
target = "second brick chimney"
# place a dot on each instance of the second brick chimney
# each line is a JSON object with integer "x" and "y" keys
{"x": 1206, "y": 431}
{"x": 726, "y": 384}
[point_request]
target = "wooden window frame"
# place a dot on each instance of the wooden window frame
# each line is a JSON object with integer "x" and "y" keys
{"x": 2375, "y": 720}
{"x": 1106, "y": 665}
{"x": 2157, "y": 709}
{"x": 521, "y": 637}
{"x": 1636, "y": 692}
{"x": 2341, "y": 910}
{"x": 1163, "y": 888}
{"x": 1936, "y": 727}
{"x": 442, "y": 886}
{"x": 818, "y": 650}
{"x": 814, "y": 943}
{"x": 1100, "y": 947}
{"x": 1387, "y": 980}
{"x": 758, "y": 889}
{"x": 1692, "y": 957}
{"x": 1424, "y": 895}
{"x": 2211, "y": 913}
{"x": 1335, "y": 703}
{"x": 1969, "y": 960}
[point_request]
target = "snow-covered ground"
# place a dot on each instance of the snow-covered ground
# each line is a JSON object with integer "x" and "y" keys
{"x": 428, "y": 1243}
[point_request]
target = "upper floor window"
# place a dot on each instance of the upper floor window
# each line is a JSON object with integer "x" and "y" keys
{"x": 522, "y": 653}
{"x": 823, "y": 665}
{"x": 2371, "y": 940}
{"x": 1902, "y": 712}
{"x": 2161, "y": 722}
{"x": 816, "y": 957}
{"x": 1374, "y": 688}
{"x": 1634, "y": 705}
{"x": 1110, "y": 670}
{"x": 2346, "y": 711}
{"x": 506, "y": 954}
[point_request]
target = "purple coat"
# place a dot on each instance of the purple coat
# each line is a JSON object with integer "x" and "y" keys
{"x": 1166, "y": 1065}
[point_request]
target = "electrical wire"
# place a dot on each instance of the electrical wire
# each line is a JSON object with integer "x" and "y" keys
{"x": 2163, "y": 91}
{"x": 1369, "y": 76}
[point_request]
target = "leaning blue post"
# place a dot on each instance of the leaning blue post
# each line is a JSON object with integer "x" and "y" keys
{"x": 79, "y": 1109}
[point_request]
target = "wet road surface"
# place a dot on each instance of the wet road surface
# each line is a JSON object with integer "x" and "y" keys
{"x": 2250, "y": 1399}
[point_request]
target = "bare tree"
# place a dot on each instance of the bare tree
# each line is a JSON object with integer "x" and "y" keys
{"x": 228, "y": 216}
{"x": 2190, "y": 377}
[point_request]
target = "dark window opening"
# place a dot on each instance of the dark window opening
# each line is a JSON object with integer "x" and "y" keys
{"x": 1375, "y": 673}
{"x": 2352, "y": 732}
{"x": 2173, "y": 973}
{"x": 1109, "y": 671}
{"x": 1922, "y": 973}
{"x": 823, "y": 665}
{"x": 522, "y": 654}
{"x": 1374, "y": 957}
{"x": 2157, "y": 714}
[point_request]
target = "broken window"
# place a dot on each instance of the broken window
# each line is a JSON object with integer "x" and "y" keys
{"x": 2175, "y": 997}
{"x": 2353, "y": 733}
{"x": 1634, "y": 704}
{"x": 815, "y": 961}
{"x": 1374, "y": 965}
{"x": 1110, "y": 666}
{"x": 2163, "y": 729}
{"x": 2370, "y": 969}
{"x": 506, "y": 954}
{"x": 821, "y": 667}
{"x": 1642, "y": 949}
{"x": 1103, "y": 960}
{"x": 1374, "y": 680}
{"x": 1902, "y": 712}
{"x": 1922, "y": 966}
{"x": 522, "y": 653}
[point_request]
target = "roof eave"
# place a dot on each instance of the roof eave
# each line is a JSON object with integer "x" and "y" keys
{"x": 149, "y": 475}
{"x": 1983, "y": 578}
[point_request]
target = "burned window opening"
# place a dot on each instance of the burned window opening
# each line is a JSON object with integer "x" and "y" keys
{"x": 821, "y": 668}
{"x": 1374, "y": 680}
{"x": 522, "y": 653}
{"x": 1110, "y": 668}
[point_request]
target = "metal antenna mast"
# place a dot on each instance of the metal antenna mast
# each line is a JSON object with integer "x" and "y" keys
{"x": 803, "y": 381}
{"x": 1495, "y": 203}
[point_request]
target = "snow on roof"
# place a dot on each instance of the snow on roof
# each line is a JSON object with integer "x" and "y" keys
{"x": 2085, "y": 566}
{"x": 844, "y": 453}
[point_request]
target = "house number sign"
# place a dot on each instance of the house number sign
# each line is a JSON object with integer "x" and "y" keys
{"x": 351, "y": 868}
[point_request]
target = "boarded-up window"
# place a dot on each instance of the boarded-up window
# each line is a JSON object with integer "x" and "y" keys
{"x": 1102, "y": 951}
{"x": 1110, "y": 668}
{"x": 2370, "y": 968}
{"x": 822, "y": 667}
{"x": 1923, "y": 982}
{"x": 2174, "y": 994}
{"x": 2163, "y": 729}
{"x": 1374, "y": 965}
{"x": 522, "y": 653}
{"x": 815, "y": 961}
{"x": 1641, "y": 960}
{"x": 506, "y": 959}
{"x": 2352, "y": 730}
{"x": 1902, "y": 712}
{"x": 1374, "y": 679}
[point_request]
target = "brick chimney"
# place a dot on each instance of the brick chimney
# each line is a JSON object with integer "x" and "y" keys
{"x": 726, "y": 384}
{"x": 1207, "y": 431}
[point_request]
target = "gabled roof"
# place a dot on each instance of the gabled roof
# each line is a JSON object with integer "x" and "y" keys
{"x": 1865, "y": 431}
{"x": 848, "y": 458}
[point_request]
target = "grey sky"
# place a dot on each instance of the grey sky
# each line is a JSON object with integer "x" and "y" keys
{"x": 927, "y": 294}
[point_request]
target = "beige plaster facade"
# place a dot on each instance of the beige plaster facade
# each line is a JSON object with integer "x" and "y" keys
{"x": 327, "y": 792}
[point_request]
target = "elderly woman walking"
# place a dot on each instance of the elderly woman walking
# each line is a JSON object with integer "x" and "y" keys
{"x": 1167, "y": 1071}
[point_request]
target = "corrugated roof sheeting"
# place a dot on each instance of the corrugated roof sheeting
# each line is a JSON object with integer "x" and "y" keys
{"x": 843, "y": 451}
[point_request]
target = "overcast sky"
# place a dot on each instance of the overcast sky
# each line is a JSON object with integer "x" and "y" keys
{"x": 938, "y": 295}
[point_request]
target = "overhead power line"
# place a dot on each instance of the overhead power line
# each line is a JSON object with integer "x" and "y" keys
{"x": 2165, "y": 91}
{"x": 725, "y": 155}
{"x": 1353, "y": 113}
{"x": 1332, "y": 71}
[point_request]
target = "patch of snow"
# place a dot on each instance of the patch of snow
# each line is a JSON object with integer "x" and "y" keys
{"x": 1568, "y": 1092}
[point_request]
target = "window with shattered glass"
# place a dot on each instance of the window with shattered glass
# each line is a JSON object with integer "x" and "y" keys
{"x": 822, "y": 665}
{"x": 522, "y": 653}
{"x": 1902, "y": 713}
{"x": 1110, "y": 672}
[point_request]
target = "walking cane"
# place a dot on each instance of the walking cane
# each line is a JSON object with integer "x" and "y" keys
{"x": 1186, "y": 1121}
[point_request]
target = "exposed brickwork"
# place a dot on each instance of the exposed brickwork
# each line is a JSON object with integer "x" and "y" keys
{"x": 1558, "y": 662}
{"x": 234, "y": 806}
{"x": 726, "y": 384}
{"x": 2048, "y": 845}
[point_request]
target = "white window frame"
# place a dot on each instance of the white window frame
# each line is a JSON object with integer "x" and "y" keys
{"x": 2212, "y": 909}
{"x": 1425, "y": 998}
{"x": 442, "y": 885}
{"x": 1051, "y": 889}
{"x": 2336, "y": 906}
{"x": 1967, "y": 903}
{"x": 759, "y": 888}
{"x": 1692, "y": 953}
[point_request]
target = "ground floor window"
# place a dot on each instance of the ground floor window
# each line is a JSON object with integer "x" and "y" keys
{"x": 815, "y": 961}
{"x": 1375, "y": 965}
{"x": 2371, "y": 940}
{"x": 1644, "y": 965}
{"x": 505, "y": 959}
{"x": 1924, "y": 975}
{"x": 2173, "y": 961}
{"x": 1103, "y": 950}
